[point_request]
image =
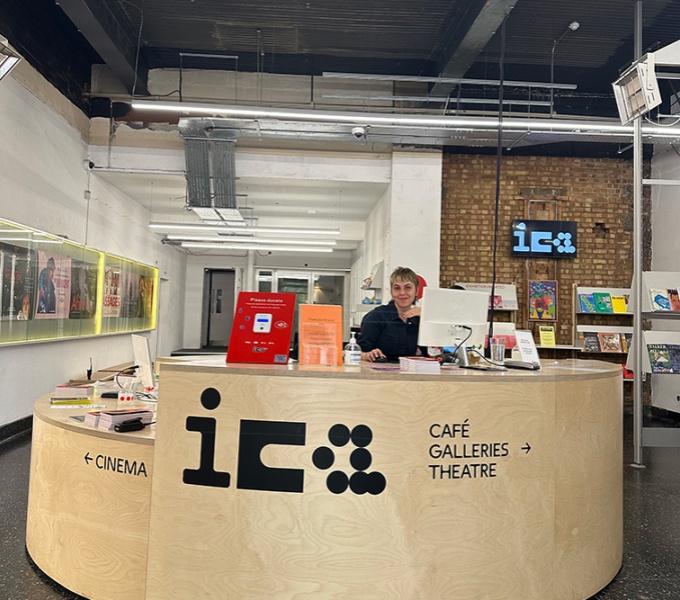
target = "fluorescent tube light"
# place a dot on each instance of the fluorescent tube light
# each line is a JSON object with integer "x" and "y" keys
{"x": 450, "y": 123}
{"x": 253, "y": 247}
{"x": 220, "y": 228}
{"x": 29, "y": 239}
{"x": 246, "y": 240}
{"x": 377, "y": 119}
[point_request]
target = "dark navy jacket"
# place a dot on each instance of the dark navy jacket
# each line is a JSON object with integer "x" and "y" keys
{"x": 382, "y": 328}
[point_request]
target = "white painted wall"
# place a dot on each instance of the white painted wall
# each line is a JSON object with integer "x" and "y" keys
{"x": 415, "y": 212}
{"x": 44, "y": 184}
{"x": 377, "y": 241}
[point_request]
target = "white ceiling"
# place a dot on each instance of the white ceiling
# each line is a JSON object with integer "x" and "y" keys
{"x": 280, "y": 202}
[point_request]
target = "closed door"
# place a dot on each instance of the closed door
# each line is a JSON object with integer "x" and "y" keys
{"x": 219, "y": 291}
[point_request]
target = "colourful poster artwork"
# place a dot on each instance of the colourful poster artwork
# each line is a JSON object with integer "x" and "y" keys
{"x": 543, "y": 300}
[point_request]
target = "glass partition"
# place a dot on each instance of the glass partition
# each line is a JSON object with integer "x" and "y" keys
{"x": 53, "y": 288}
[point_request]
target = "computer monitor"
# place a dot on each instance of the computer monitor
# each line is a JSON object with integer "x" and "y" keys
{"x": 142, "y": 358}
{"x": 452, "y": 318}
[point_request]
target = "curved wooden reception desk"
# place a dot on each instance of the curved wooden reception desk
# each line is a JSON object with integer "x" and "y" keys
{"x": 294, "y": 482}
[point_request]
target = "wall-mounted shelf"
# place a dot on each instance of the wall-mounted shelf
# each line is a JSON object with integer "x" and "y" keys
{"x": 374, "y": 281}
{"x": 604, "y": 304}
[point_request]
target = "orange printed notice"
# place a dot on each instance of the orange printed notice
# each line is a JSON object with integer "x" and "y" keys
{"x": 320, "y": 334}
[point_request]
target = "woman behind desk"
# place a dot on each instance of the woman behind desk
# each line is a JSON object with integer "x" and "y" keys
{"x": 391, "y": 330}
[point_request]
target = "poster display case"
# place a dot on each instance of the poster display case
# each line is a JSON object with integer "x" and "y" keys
{"x": 53, "y": 288}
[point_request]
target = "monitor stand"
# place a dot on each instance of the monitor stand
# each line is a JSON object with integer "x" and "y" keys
{"x": 462, "y": 357}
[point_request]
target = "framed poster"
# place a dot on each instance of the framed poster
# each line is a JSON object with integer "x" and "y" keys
{"x": 542, "y": 300}
{"x": 53, "y": 293}
{"x": 17, "y": 269}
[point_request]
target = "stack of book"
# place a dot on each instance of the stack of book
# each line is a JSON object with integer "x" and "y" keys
{"x": 109, "y": 418}
{"x": 419, "y": 364}
{"x": 92, "y": 418}
{"x": 67, "y": 393}
{"x": 73, "y": 391}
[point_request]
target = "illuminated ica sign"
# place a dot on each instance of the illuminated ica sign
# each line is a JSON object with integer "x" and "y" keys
{"x": 544, "y": 239}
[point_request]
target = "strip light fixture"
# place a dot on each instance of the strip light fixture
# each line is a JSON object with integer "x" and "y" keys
{"x": 30, "y": 239}
{"x": 531, "y": 125}
{"x": 229, "y": 246}
{"x": 241, "y": 230}
{"x": 247, "y": 240}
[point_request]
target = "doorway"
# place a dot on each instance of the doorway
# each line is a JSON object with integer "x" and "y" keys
{"x": 219, "y": 292}
{"x": 314, "y": 287}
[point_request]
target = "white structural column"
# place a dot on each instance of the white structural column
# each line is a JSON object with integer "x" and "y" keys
{"x": 415, "y": 212}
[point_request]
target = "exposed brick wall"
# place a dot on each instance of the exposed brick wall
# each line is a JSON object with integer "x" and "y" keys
{"x": 589, "y": 191}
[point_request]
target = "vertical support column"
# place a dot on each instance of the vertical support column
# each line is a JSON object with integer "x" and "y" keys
{"x": 637, "y": 259}
{"x": 415, "y": 212}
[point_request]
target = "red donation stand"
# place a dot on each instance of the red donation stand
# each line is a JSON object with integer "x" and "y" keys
{"x": 263, "y": 325}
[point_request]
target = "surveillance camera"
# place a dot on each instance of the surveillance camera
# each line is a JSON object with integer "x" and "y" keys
{"x": 358, "y": 132}
{"x": 88, "y": 164}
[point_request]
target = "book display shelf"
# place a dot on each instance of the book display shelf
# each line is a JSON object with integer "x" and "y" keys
{"x": 660, "y": 352}
{"x": 603, "y": 323}
{"x": 53, "y": 289}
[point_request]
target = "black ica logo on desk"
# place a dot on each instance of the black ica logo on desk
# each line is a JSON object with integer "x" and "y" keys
{"x": 253, "y": 474}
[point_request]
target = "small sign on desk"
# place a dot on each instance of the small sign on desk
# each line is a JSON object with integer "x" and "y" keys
{"x": 527, "y": 347}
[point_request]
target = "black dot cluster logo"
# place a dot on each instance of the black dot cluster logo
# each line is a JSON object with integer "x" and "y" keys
{"x": 359, "y": 482}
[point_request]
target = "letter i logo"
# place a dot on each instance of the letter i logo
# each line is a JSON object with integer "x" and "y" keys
{"x": 520, "y": 234}
{"x": 206, "y": 426}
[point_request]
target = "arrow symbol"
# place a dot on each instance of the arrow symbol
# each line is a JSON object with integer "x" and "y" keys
{"x": 526, "y": 448}
{"x": 88, "y": 458}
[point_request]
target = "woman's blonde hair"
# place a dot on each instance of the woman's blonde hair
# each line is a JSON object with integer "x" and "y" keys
{"x": 404, "y": 274}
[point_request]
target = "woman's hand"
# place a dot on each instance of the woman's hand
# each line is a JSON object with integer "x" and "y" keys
{"x": 414, "y": 311}
{"x": 371, "y": 355}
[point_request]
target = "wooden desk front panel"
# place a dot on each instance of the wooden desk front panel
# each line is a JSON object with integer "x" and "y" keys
{"x": 88, "y": 520}
{"x": 426, "y": 535}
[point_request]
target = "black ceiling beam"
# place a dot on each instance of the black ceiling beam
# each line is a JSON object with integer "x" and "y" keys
{"x": 468, "y": 31}
{"x": 106, "y": 29}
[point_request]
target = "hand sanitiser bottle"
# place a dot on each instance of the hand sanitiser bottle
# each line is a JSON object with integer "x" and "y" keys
{"x": 352, "y": 352}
